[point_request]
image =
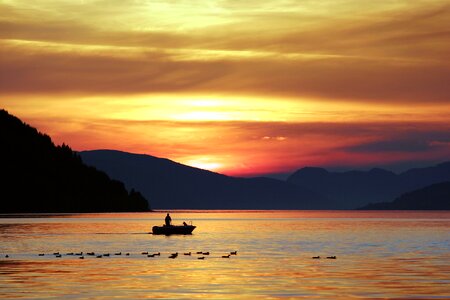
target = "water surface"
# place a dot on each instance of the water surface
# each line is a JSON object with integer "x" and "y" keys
{"x": 380, "y": 255}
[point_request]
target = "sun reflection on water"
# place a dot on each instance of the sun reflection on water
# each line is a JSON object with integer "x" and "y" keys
{"x": 379, "y": 255}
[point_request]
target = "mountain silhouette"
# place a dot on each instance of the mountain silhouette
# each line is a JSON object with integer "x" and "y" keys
{"x": 170, "y": 185}
{"x": 352, "y": 189}
{"x": 37, "y": 176}
{"x": 433, "y": 197}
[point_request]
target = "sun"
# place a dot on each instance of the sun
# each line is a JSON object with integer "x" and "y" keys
{"x": 204, "y": 163}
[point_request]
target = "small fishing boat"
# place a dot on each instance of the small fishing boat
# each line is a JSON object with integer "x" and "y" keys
{"x": 173, "y": 229}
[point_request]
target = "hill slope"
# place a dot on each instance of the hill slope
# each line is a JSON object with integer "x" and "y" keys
{"x": 172, "y": 185}
{"x": 37, "y": 176}
{"x": 354, "y": 189}
{"x": 433, "y": 197}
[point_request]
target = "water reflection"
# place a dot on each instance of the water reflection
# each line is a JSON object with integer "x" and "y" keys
{"x": 379, "y": 255}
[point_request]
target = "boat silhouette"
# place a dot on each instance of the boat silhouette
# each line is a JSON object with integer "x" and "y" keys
{"x": 173, "y": 229}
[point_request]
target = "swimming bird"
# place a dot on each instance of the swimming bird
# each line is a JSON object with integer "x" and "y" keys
{"x": 107, "y": 254}
{"x": 233, "y": 252}
{"x": 41, "y": 254}
{"x": 205, "y": 253}
{"x": 56, "y": 253}
{"x": 6, "y": 255}
{"x": 316, "y": 257}
{"x": 226, "y": 256}
{"x": 201, "y": 257}
{"x": 144, "y": 253}
{"x": 71, "y": 253}
{"x": 173, "y": 255}
{"x": 199, "y": 252}
{"x": 79, "y": 254}
{"x": 331, "y": 257}
{"x": 118, "y": 253}
{"x": 81, "y": 257}
{"x": 187, "y": 253}
{"x": 128, "y": 254}
{"x": 151, "y": 255}
{"x": 90, "y": 253}
{"x": 99, "y": 256}
{"x": 59, "y": 255}
{"x": 158, "y": 254}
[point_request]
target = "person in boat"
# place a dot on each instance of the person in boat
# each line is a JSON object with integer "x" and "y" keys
{"x": 168, "y": 220}
{"x": 185, "y": 224}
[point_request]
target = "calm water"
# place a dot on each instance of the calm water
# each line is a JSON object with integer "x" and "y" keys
{"x": 379, "y": 255}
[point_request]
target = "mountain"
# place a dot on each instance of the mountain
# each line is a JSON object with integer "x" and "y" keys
{"x": 170, "y": 185}
{"x": 37, "y": 176}
{"x": 433, "y": 197}
{"x": 352, "y": 189}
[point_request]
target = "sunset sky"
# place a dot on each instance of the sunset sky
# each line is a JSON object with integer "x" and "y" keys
{"x": 238, "y": 87}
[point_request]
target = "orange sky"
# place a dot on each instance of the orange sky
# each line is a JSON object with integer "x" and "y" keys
{"x": 242, "y": 88}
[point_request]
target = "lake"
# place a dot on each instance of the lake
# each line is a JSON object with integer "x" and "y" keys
{"x": 379, "y": 255}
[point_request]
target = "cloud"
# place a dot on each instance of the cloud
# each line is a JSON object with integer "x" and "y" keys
{"x": 389, "y": 53}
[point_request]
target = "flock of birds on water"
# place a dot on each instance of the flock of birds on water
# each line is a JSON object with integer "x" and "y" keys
{"x": 81, "y": 255}
{"x": 201, "y": 254}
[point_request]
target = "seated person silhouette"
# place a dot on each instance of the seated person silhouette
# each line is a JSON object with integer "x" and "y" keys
{"x": 184, "y": 223}
{"x": 168, "y": 220}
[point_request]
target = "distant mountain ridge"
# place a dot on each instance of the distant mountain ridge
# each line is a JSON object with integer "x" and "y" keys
{"x": 36, "y": 176}
{"x": 170, "y": 185}
{"x": 433, "y": 197}
{"x": 173, "y": 185}
{"x": 354, "y": 189}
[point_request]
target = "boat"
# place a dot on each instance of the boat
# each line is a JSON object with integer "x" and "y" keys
{"x": 173, "y": 229}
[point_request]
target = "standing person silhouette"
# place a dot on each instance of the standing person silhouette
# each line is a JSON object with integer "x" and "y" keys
{"x": 168, "y": 220}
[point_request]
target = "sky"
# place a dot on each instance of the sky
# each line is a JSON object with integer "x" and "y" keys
{"x": 243, "y": 88}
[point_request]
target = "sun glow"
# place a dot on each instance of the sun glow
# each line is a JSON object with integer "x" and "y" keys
{"x": 205, "y": 163}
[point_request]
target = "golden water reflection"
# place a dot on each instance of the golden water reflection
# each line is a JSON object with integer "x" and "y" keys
{"x": 379, "y": 255}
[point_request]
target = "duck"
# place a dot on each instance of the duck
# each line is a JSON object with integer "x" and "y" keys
{"x": 331, "y": 257}
{"x": 79, "y": 254}
{"x": 6, "y": 255}
{"x": 81, "y": 257}
{"x": 205, "y": 253}
{"x": 316, "y": 257}
{"x": 226, "y": 256}
{"x": 144, "y": 253}
{"x": 201, "y": 257}
{"x": 187, "y": 253}
{"x": 90, "y": 253}
{"x": 41, "y": 254}
{"x": 56, "y": 253}
{"x": 59, "y": 255}
{"x": 233, "y": 252}
{"x": 99, "y": 256}
{"x": 106, "y": 254}
{"x": 118, "y": 253}
{"x": 151, "y": 255}
{"x": 128, "y": 254}
{"x": 199, "y": 252}
{"x": 70, "y": 253}
{"x": 157, "y": 254}
{"x": 173, "y": 255}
